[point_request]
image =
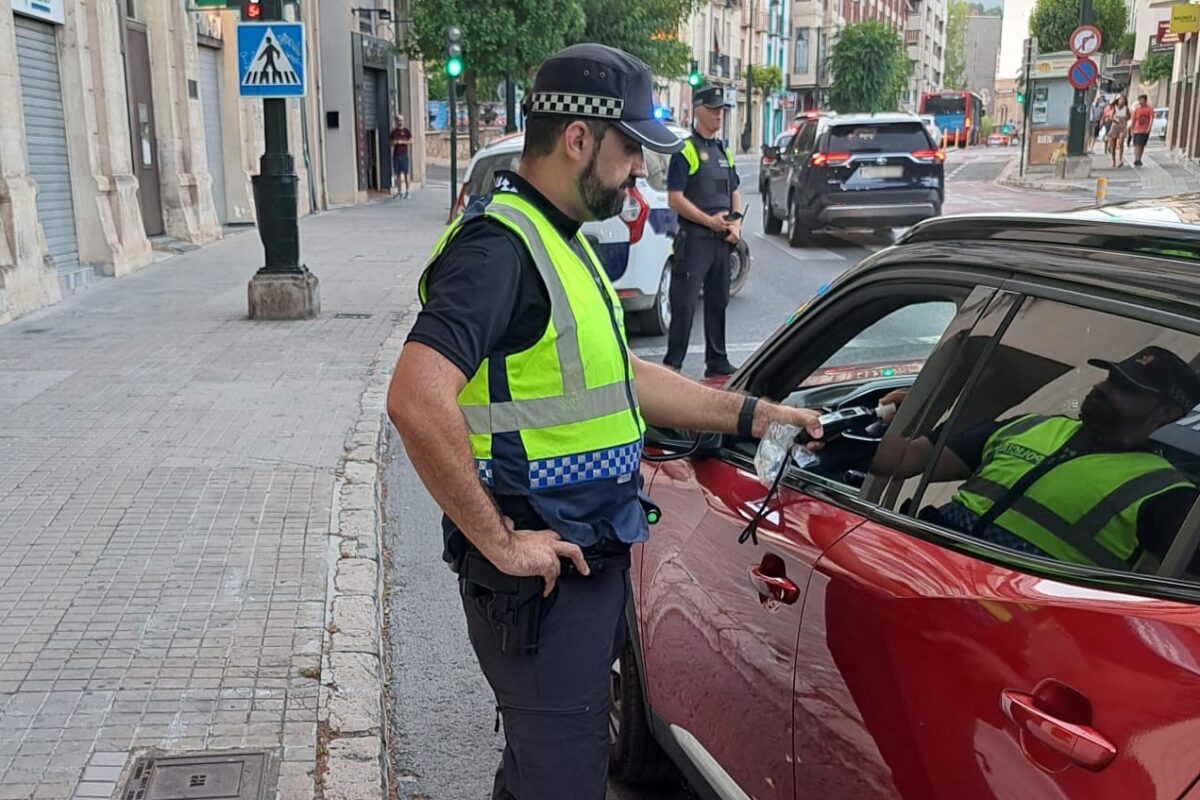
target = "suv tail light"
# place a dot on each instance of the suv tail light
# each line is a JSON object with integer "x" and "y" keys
{"x": 930, "y": 156}
{"x": 634, "y": 214}
{"x": 829, "y": 159}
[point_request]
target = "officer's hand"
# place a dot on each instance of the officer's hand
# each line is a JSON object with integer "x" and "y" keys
{"x": 735, "y": 231}
{"x": 895, "y": 398}
{"x": 530, "y": 553}
{"x": 716, "y": 224}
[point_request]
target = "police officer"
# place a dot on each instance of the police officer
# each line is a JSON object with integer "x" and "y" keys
{"x": 702, "y": 188}
{"x": 1091, "y": 490}
{"x": 522, "y": 409}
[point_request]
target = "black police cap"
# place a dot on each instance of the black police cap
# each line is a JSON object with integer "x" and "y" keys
{"x": 601, "y": 82}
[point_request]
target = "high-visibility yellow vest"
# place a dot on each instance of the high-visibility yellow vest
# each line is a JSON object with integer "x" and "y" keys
{"x": 571, "y": 396}
{"x": 692, "y": 156}
{"x": 1085, "y": 510}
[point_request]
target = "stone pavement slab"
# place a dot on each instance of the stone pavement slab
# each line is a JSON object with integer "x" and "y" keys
{"x": 1159, "y": 175}
{"x": 171, "y": 482}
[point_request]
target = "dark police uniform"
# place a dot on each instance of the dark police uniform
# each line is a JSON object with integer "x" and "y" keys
{"x": 485, "y": 300}
{"x": 707, "y": 177}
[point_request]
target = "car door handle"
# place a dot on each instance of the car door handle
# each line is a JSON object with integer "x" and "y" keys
{"x": 782, "y": 589}
{"x": 1079, "y": 743}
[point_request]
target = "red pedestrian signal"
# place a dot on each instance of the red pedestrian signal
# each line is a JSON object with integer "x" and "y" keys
{"x": 251, "y": 10}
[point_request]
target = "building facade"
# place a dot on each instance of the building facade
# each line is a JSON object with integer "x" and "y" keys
{"x": 925, "y": 39}
{"x": 982, "y": 53}
{"x": 121, "y": 122}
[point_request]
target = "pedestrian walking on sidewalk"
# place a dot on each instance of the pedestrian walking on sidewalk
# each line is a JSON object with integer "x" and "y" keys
{"x": 1118, "y": 127}
{"x": 1095, "y": 120}
{"x": 523, "y": 409}
{"x": 1106, "y": 124}
{"x": 401, "y": 138}
{"x": 702, "y": 188}
{"x": 1142, "y": 122}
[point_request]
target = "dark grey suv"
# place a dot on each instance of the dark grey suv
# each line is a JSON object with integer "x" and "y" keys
{"x": 877, "y": 171}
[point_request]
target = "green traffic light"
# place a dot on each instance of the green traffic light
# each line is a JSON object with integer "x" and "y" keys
{"x": 694, "y": 79}
{"x": 454, "y": 67}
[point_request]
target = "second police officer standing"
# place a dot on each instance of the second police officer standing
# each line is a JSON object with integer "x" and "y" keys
{"x": 702, "y": 188}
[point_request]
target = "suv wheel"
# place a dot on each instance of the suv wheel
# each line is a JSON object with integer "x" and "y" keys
{"x": 633, "y": 755}
{"x": 798, "y": 235}
{"x": 656, "y": 320}
{"x": 739, "y": 267}
{"x": 771, "y": 223}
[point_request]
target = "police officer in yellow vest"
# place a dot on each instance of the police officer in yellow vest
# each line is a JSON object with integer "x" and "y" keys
{"x": 702, "y": 188}
{"x": 522, "y": 409}
{"x": 1087, "y": 491}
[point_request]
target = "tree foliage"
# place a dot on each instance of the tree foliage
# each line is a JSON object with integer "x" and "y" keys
{"x": 765, "y": 79}
{"x": 648, "y": 29}
{"x": 955, "y": 75}
{"x": 493, "y": 43}
{"x": 1156, "y": 66}
{"x": 870, "y": 69}
{"x": 1053, "y": 20}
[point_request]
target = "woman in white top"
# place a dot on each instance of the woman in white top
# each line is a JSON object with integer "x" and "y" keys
{"x": 1117, "y": 130}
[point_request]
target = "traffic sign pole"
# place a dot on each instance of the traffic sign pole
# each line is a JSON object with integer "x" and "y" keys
{"x": 283, "y": 288}
{"x": 1077, "y": 138}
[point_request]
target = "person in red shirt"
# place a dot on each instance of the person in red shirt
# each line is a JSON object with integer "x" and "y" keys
{"x": 401, "y": 138}
{"x": 1143, "y": 120}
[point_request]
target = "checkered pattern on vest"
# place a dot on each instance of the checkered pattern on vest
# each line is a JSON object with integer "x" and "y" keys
{"x": 577, "y": 105}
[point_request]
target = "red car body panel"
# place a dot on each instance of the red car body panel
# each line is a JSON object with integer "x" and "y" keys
{"x": 907, "y": 647}
{"x": 720, "y": 656}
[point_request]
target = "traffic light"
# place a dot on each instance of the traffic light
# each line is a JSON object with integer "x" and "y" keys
{"x": 694, "y": 78}
{"x": 251, "y": 11}
{"x": 454, "y": 59}
{"x": 1020, "y": 97}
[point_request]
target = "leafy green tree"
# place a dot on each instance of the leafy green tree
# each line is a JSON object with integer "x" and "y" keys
{"x": 1053, "y": 20}
{"x": 765, "y": 79}
{"x": 870, "y": 69}
{"x": 1126, "y": 44}
{"x": 647, "y": 29}
{"x": 1156, "y": 66}
{"x": 498, "y": 39}
{"x": 955, "y": 76}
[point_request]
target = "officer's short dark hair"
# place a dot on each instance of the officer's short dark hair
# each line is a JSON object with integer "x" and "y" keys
{"x": 542, "y": 132}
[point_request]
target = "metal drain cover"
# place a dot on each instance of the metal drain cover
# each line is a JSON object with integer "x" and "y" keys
{"x": 222, "y": 775}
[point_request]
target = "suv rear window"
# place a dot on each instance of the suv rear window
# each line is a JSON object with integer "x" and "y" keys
{"x": 891, "y": 137}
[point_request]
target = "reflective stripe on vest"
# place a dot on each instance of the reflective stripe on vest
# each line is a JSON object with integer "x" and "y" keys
{"x": 1083, "y": 510}
{"x": 577, "y": 416}
{"x": 692, "y": 156}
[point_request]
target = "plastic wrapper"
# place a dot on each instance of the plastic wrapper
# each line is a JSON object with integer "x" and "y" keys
{"x": 773, "y": 450}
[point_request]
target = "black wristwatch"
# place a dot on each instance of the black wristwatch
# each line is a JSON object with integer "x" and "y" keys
{"x": 745, "y": 428}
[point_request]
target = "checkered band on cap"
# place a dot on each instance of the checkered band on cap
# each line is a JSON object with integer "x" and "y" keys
{"x": 577, "y": 105}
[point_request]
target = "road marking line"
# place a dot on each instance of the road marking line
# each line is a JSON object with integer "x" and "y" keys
{"x": 806, "y": 254}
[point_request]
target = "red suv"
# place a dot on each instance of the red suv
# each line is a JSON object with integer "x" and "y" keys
{"x": 864, "y": 644}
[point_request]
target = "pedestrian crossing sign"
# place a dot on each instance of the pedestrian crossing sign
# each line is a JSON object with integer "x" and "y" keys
{"x": 271, "y": 59}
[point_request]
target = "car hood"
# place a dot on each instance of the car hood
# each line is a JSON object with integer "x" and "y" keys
{"x": 1179, "y": 209}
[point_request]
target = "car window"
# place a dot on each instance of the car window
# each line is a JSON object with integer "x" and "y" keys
{"x": 871, "y": 348}
{"x": 783, "y": 139}
{"x": 895, "y": 137}
{"x": 483, "y": 175}
{"x": 802, "y": 142}
{"x": 656, "y": 169}
{"x": 1078, "y": 441}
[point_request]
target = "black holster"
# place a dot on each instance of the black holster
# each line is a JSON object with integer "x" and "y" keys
{"x": 514, "y": 607}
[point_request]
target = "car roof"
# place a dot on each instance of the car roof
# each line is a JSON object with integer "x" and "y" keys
{"x": 858, "y": 119}
{"x": 1162, "y": 251}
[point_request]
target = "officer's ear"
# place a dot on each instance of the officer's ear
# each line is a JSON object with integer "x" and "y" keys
{"x": 577, "y": 140}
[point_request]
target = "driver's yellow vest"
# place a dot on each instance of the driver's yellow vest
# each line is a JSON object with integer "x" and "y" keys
{"x": 1084, "y": 510}
{"x": 565, "y": 408}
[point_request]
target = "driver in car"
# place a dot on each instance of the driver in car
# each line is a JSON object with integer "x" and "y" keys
{"x": 1088, "y": 491}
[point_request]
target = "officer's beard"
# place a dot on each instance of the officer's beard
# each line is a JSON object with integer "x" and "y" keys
{"x": 601, "y": 201}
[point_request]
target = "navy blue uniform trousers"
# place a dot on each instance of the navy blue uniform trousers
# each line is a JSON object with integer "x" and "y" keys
{"x": 555, "y": 703}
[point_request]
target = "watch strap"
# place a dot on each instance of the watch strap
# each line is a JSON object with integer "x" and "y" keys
{"x": 745, "y": 428}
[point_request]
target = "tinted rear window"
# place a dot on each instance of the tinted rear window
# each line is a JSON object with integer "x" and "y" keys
{"x": 484, "y": 173}
{"x": 894, "y": 137}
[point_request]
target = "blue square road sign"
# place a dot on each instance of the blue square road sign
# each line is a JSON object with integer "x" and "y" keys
{"x": 270, "y": 57}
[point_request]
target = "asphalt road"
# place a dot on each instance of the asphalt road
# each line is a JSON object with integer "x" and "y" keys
{"x": 442, "y": 741}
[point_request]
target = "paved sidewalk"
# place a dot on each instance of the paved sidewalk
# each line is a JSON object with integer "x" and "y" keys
{"x": 179, "y": 487}
{"x": 1160, "y": 175}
